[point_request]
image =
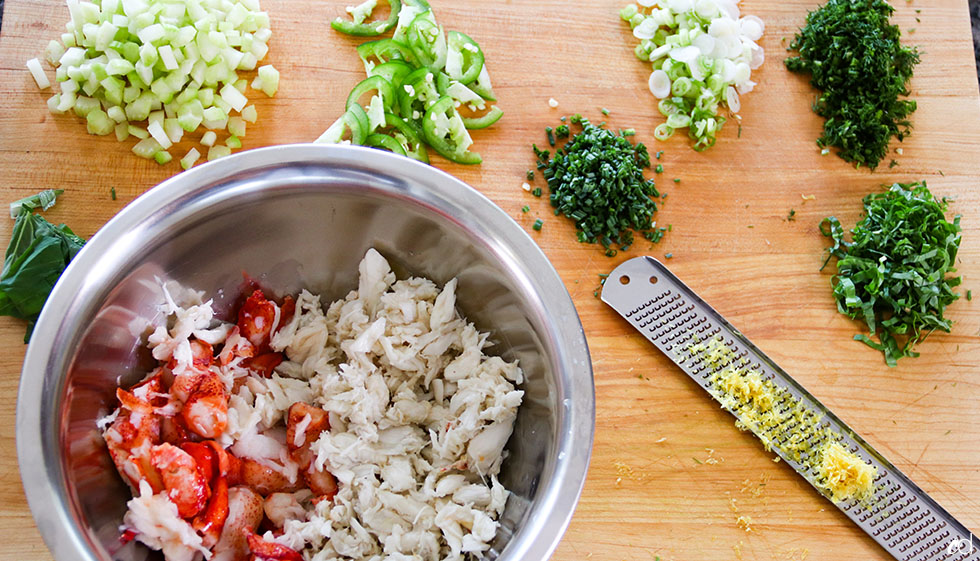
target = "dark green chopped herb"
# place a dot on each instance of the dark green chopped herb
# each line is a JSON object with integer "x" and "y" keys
{"x": 855, "y": 56}
{"x": 969, "y": 295}
{"x": 112, "y": 193}
{"x": 792, "y": 215}
{"x": 530, "y": 175}
{"x": 536, "y": 192}
{"x": 37, "y": 255}
{"x": 895, "y": 272}
{"x": 677, "y": 180}
{"x": 563, "y": 118}
{"x": 659, "y": 154}
{"x": 561, "y": 131}
{"x": 605, "y": 111}
{"x": 628, "y": 132}
{"x": 739, "y": 131}
{"x": 670, "y": 227}
{"x": 668, "y": 256}
{"x": 611, "y": 252}
{"x": 893, "y": 163}
{"x": 550, "y": 132}
{"x": 525, "y": 208}
{"x": 538, "y": 224}
{"x": 659, "y": 168}
{"x": 596, "y": 180}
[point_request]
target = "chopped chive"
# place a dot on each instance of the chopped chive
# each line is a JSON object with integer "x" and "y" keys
{"x": 561, "y": 131}
{"x": 530, "y": 175}
{"x": 536, "y": 192}
{"x": 112, "y": 193}
{"x": 605, "y": 111}
{"x": 792, "y": 214}
{"x": 538, "y": 224}
{"x": 677, "y": 180}
{"x": 525, "y": 208}
{"x": 550, "y": 132}
{"x": 893, "y": 164}
{"x": 660, "y": 153}
{"x": 969, "y": 295}
{"x": 668, "y": 256}
{"x": 659, "y": 168}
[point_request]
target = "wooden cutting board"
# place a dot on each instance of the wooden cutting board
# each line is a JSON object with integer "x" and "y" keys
{"x": 669, "y": 470}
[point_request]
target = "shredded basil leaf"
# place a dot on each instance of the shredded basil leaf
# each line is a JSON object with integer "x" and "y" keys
{"x": 895, "y": 273}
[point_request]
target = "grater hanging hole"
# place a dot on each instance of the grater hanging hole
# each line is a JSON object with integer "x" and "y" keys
{"x": 624, "y": 280}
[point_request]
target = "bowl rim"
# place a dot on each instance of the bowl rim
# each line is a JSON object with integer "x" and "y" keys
{"x": 38, "y": 434}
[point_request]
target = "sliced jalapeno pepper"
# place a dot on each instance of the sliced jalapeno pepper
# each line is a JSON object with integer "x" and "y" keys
{"x": 374, "y": 83}
{"x": 354, "y": 120}
{"x": 407, "y": 136}
{"x": 383, "y": 50}
{"x": 394, "y": 71}
{"x": 427, "y": 41}
{"x": 405, "y": 19}
{"x": 464, "y": 61}
{"x": 445, "y": 132}
{"x": 417, "y": 93}
{"x": 482, "y": 85}
{"x": 485, "y": 120}
{"x": 384, "y": 142}
{"x": 363, "y": 28}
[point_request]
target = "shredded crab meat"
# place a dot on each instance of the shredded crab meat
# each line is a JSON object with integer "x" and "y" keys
{"x": 419, "y": 417}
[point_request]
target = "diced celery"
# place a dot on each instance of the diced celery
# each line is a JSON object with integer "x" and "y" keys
{"x": 188, "y": 161}
{"x": 53, "y": 103}
{"x": 234, "y": 98}
{"x": 85, "y": 105}
{"x": 218, "y": 151}
{"x": 162, "y": 157}
{"x": 138, "y": 132}
{"x": 156, "y": 131}
{"x": 233, "y": 142}
{"x": 116, "y": 113}
{"x": 173, "y": 130}
{"x": 99, "y": 123}
{"x": 209, "y": 138}
{"x": 236, "y": 126}
{"x": 250, "y": 115}
{"x": 270, "y": 79}
{"x": 53, "y": 52}
{"x": 122, "y": 131}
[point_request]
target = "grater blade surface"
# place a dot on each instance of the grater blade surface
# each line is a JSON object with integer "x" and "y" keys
{"x": 901, "y": 517}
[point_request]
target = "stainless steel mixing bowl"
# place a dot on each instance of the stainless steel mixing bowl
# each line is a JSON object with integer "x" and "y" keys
{"x": 297, "y": 217}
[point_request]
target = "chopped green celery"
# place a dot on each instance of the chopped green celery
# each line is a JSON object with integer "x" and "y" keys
{"x": 236, "y": 126}
{"x": 156, "y": 131}
{"x": 233, "y": 97}
{"x": 162, "y": 157}
{"x": 53, "y": 103}
{"x": 218, "y": 151}
{"x": 85, "y": 105}
{"x": 209, "y": 138}
{"x": 250, "y": 114}
{"x": 138, "y": 132}
{"x": 147, "y": 148}
{"x": 116, "y": 113}
{"x": 188, "y": 161}
{"x": 233, "y": 142}
{"x": 269, "y": 77}
{"x": 173, "y": 130}
{"x": 122, "y": 131}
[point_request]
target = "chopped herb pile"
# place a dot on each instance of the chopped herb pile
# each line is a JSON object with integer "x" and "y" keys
{"x": 894, "y": 273}
{"x": 37, "y": 255}
{"x": 856, "y": 58}
{"x": 596, "y": 179}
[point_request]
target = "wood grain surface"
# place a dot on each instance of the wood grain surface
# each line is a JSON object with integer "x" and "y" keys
{"x": 651, "y": 490}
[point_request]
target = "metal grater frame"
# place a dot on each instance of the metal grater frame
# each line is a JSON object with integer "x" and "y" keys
{"x": 901, "y": 517}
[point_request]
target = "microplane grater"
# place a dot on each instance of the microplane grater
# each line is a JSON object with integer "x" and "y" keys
{"x": 901, "y": 517}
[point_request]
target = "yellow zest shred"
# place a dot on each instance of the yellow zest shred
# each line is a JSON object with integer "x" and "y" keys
{"x": 784, "y": 423}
